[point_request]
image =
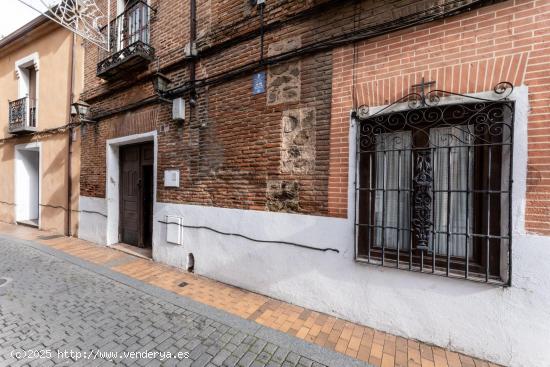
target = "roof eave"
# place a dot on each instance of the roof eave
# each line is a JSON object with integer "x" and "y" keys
{"x": 23, "y": 31}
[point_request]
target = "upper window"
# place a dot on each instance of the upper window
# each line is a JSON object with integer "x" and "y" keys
{"x": 129, "y": 41}
{"x": 434, "y": 189}
{"x": 132, "y": 25}
{"x": 22, "y": 114}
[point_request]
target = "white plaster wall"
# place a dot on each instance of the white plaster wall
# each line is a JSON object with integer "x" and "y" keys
{"x": 510, "y": 326}
{"x": 93, "y": 219}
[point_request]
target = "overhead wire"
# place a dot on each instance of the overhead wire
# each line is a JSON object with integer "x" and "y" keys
{"x": 371, "y": 31}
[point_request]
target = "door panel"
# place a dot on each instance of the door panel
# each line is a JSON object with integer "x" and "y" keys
{"x": 136, "y": 194}
{"x": 130, "y": 198}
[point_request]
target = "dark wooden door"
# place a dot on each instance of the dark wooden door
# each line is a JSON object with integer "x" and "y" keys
{"x": 136, "y": 194}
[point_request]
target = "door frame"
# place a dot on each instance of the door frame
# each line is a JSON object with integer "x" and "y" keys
{"x": 113, "y": 180}
{"x": 35, "y": 147}
{"x": 141, "y": 194}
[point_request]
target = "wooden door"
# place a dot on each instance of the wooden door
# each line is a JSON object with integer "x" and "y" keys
{"x": 136, "y": 194}
{"x": 130, "y": 195}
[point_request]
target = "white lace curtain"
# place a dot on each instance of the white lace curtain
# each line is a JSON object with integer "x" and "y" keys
{"x": 453, "y": 177}
{"x": 452, "y": 173}
{"x": 393, "y": 185}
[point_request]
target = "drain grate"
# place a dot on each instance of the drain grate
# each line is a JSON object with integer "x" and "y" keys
{"x": 50, "y": 237}
{"x": 183, "y": 284}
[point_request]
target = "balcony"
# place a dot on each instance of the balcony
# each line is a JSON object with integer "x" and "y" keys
{"x": 22, "y": 116}
{"x": 129, "y": 40}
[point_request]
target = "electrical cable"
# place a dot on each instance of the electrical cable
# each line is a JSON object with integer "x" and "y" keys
{"x": 307, "y": 14}
{"x": 326, "y": 249}
{"x": 46, "y": 132}
{"x": 436, "y": 12}
{"x": 336, "y": 41}
{"x": 253, "y": 239}
{"x": 72, "y": 210}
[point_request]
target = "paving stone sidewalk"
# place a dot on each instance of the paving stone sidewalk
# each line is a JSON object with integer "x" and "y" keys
{"x": 313, "y": 332}
{"x": 50, "y": 307}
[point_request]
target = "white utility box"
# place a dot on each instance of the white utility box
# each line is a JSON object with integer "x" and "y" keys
{"x": 178, "y": 109}
{"x": 174, "y": 231}
{"x": 172, "y": 178}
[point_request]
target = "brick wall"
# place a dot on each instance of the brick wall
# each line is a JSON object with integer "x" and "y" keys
{"x": 271, "y": 151}
{"x": 468, "y": 53}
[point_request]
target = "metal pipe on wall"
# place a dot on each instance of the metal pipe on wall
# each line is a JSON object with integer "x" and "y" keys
{"x": 70, "y": 101}
{"x": 192, "y": 39}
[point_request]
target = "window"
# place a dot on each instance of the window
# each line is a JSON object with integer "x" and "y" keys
{"x": 132, "y": 25}
{"x": 434, "y": 189}
{"x": 129, "y": 41}
{"x": 24, "y": 110}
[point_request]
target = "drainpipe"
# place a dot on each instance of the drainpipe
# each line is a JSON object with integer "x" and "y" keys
{"x": 70, "y": 100}
{"x": 192, "y": 40}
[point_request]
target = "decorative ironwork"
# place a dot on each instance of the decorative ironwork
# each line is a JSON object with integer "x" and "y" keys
{"x": 137, "y": 49}
{"x": 82, "y": 17}
{"x": 22, "y": 115}
{"x": 417, "y": 100}
{"x": 129, "y": 41}
{"x": 422, "y": 211}
{"x": 433, "y": 186}
{"x": 18, "y": 112}
{"x": 422, "y": 86}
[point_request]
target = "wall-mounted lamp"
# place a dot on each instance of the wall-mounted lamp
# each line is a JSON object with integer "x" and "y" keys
{"x": 160, "y": 83}
{"x": 80, "y": 109}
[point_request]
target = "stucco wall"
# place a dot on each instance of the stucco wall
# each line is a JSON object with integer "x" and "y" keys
{"x": 53, "y": 181}
{"x": 7, "y": 193}
{"x": 53, "y": 53}
{"x": 50, "y": 46}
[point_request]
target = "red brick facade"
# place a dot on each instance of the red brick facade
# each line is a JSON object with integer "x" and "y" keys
{"x": 232, "y": 150}
{"x": 467, "y": 53}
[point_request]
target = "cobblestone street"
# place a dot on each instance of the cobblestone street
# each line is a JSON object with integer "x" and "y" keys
{"x": 50, "y": 307}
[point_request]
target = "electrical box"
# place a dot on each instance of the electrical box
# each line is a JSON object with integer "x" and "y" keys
{"x": 174, "y": 230}
{"x": 172, "y": 178}
{"x": 178, "y": 109}
{"x": 190, "y": 49}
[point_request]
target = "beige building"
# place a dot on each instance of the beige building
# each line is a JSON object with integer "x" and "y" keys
{"x": 41, "y": 75}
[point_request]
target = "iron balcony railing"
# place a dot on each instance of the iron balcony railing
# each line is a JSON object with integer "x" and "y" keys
{"x": 129, "y": 40}
{"x": 22, "y": 115}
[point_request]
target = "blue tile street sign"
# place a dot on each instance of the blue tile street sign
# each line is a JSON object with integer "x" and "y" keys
{"x": 258, "y": 83}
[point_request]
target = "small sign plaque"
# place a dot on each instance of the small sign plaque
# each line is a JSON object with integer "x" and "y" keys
{"x": 172, "y": 178}
{"x": 258, "y": 83}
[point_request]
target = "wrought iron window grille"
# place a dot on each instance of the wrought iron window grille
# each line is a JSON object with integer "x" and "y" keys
{"x": 433, "y": 186}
